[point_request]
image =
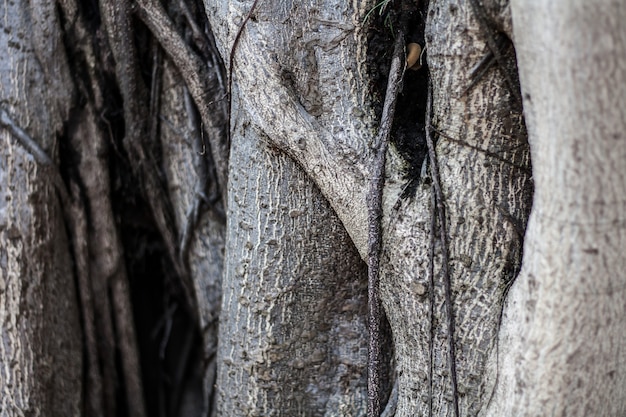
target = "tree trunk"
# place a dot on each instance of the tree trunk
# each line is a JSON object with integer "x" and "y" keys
{"x": 484, "y": 169}
{"x": 79, "y": 142}
{"x": 40, "y": 353}
{"x": 561, "y": 346}
{"x": 293, "y": 324}
{"x": 203, "y": 206}
{"x": 484, "y": 176}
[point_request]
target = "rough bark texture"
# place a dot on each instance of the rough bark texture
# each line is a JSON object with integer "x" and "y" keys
{"x": 562, "y": 344}
{"x": 73, "y": 110}
{"x": 485, "y": 177}
{"x": 124, "y": 134}
{"x": 484, "y": 164}
{"x": 293, "y": 325}
{"x": 303, "y": 78}
{"x": 40, "y": 342}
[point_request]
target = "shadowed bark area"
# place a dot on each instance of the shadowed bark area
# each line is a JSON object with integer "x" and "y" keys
{"x": 198, "y": 211}
{"x": 104, "y": 290}
{"x": 88, "y": 134}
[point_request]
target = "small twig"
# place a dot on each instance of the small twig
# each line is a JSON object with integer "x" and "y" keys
{"x": 155, "y": 92}
{"x": 489, "y": 58}
{"x": 374, "y": 203}
{"x": 478, "y": 72}
{"x": 495, "y": 47}
{"x": 439, "y": 200}
{"x": 203, "y": 151}
{"x": 483, "y": 151}
{"x": 480, "y": 69}
{"x": 24, "y": 139}
{"x": 431, "y": 277}
{"x": 35, "y": 150}
{"x": 231, "y": 61}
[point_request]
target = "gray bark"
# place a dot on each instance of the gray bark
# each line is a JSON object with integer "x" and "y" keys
{"x": 293, "y": 324}
{"x": 40, "y": 352}
{"x": 292, "y": 338}
{"x": 287, "y": 71}
{"x": 293, "y": 61}
{"x": 562, "y": 342}
{"x": 486, "y": 181}
{"x": 293, "y": 321}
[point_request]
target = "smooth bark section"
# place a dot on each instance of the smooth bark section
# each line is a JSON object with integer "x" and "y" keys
{"x": 293, "y": 328}
{"x": 562, "y": 343}
{"x": 40, "y": 340}
{"x": 291, "y": 65}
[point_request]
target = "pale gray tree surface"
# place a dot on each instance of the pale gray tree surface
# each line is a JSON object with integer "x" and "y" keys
{"x": 252, "y": 208}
